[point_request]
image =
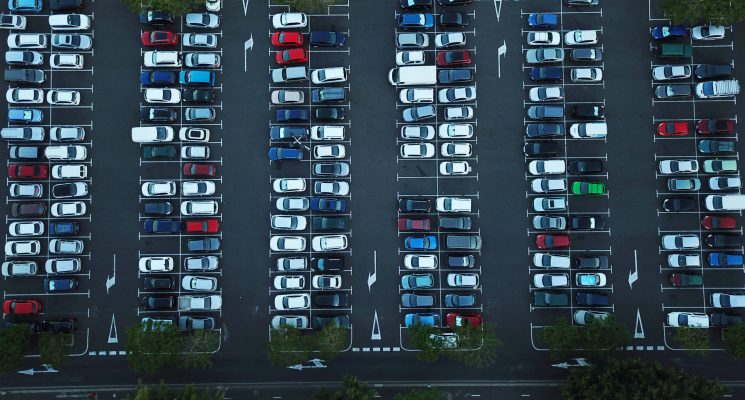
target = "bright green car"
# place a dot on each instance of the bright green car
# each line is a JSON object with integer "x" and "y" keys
{"x": 591, "y": 188}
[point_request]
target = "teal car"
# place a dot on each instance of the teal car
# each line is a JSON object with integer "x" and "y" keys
{"x": 717, "y": 166}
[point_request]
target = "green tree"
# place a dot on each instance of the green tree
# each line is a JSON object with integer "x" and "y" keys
{"x": 477, "y": 347}
{"x": 420, "y": 394}
{"x": 14, "y": 344}
{"x": 356, "y": 390}
{"x": 692, "y": 12}
{"x": 309, "y": 6}
{"x": 429, "y": 349}
{"x": 197, "y": 349}
{"x": 330, "y": 341}
{"x": 326, "y": 394}
{"x": 288, "y": 346}
{"x": 636, "y": 379}
{"x": 603, "y": 337}
{"x": 53, "y": 348}
{"x": 562, "y": 338}
{"x": 694, "y": 340}
{"x": 734, "y": 340}
{"x": 164, "y": 392}
{"x": 173, "y": 7}
{"x": 149, "y": 350}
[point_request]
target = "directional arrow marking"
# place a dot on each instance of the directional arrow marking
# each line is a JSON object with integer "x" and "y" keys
{"x": 371, "y": 278}
{"x": 501, "y": 51}
{"x": 112, "y": 331}
{"x": 498, "y": 8}
{"x": 375, "y": 328}
{"x": 247, "y": 45}
{"x": 245, "y": 7}
{"x": 639, "y": 329}
{"x": 580, "y": 362}
{"x": 47, "y": 369}
{"x": 112, "y": 280}
{"x": 317, "y": 363}
{"x": 633, "y": 275}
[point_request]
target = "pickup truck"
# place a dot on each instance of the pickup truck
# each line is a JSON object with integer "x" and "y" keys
{"x": 549, "y": 299}
{"x": 196, "y": 303}
{"x": 716, "y": 89}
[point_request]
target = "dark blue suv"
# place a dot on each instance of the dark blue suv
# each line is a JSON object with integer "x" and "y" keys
{"x": 162, "y": 226}
{"x": 157, "y": 78}
{"x": 327, "y": 39}
{"x": 292, "y": 115}
{"x": 328, "y": 204}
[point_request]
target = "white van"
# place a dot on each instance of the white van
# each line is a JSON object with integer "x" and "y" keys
{"x": 725, "y": 202}
{"x": 327, "y": 132}
{"x": 152, "y": 134}
{"x": 70, "y": 171}
{"x": 588, "y": 130}
{"x": 413, "y": 75}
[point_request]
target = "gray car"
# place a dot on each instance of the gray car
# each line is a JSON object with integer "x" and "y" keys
{"x": 542, "y": 56}
{"x": 417, "y": 300}
{"x": 196, "y": 323}
{"x": 195, "y": 114}
{"x": 684, "y": 184}
{"x": 416, "y": 40}
{"x": 460, "y": 300}
{"x": 413, "y": 114}
{"x": 24, "y": 134}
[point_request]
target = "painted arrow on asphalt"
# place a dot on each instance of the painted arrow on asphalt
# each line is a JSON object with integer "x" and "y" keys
{"x": 245, "y": 7}
{"x": 633, "y": 275}
{"x": 247, "y": 45}
{"x": 498, "y": 8}
{"x": 371, "y": 278}
{"x": 501, "y": 51}
{"x": 32, "y": 372}
{"x": 580, "y": 362}
{"x": 316, "y": 363}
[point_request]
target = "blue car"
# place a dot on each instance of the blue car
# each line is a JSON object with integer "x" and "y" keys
{"x": 197, "y": 77}
{"x": 158, "y": 78}
{"x": 60, "y": 284}
{"x": 545, "y": 74}
{"x": 292, "y": 115}
{"x": 284, "y": 153}
{"x": 423, "y": 319}
{"x": 25, "y": 5}
{"x": 669, "y": 32}
{"x": 421, "y": 242}
{"x": 279, "y": 132}
{"x": 327, "y": 39}
{"x": 63, "y": 228}
{"x": 543, "y": 20}
{"x": 25, "y": 115}
{"x": 416, "y": 21}
{"x": 718, "y": 259}
{"x": 328, "y": 204}
{"x": 417, "y": 281}
{"x": 162, "y": 226}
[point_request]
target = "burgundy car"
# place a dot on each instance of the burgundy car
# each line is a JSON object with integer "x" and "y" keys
{"x": 715, "y": 126}
{"x": 453, "y": 57}
{"x": 718, "y": 222}
{"x": 458, "y": 320}
{"x": 198, "y": 169}
{"x": 552, "y": 241}
{"x": 28, "y": 171}
{"x": 413, "y": 224}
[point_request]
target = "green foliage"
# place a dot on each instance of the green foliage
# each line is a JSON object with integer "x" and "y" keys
{"x": 734, "y": 340}
{"x": 173, "y": 7}
{"x": 694, "y": 340}
{"x": 151, "y": 350}
{"x": 598, "y": 339}
{"x": 430, "y": 350}
{"x": 14, "y": 343}
{"x": 562, "y": 338}
{"x": 477, "y": 347}
{"x": 693, "y": 12}
{"x": 420, "y": 394}
{"x": 631, "y": 379}
{"x": 288, "y": 346}
{"x": 198, "y": 348}
{"x": 53, "y": 348}
{"x": 325, "y": 394}
{"x": 356, "y": 390}
{"x": 163, "y": 392}
{"x": 308, "y": 6}
{"x": 330, "y": 341}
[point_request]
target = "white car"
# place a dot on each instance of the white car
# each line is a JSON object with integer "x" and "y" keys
{"x": 287, "y": 243}
{"x": 73, "y": 152}
{"x": 202, "y": 60}
{"x": 195, "y": 152}
{"x": 203, "y": 20}
{"x": 292, "y": 301}
{"x": 455, "y": 131}
{"x": 671, "y": 72}
{"x": 668, "y": 167}
{"x": 329, "y": 243}
{"x": 457, "y": 94}
{"x": 213, "y": 5}
{"x": 417, "y": 150}
{"x": 546, "y": 93}
{"x": 67, "y": 133}
{"x": 289, "y": 282}
{"x": 463, "y": 280}
{"x": 197, "y": 188}
{"x": 416, "y": 95}
{"x": 450, "y": 39}
{"x": 27, "y": 41}
{"x": 541, "y": 204}
{"x": 680, "y": 242}
{"x": 725, "y": 182}
{"x": 285, "y": 185}
{"x": 453, "y": 204}
{"x": 26, "y": 190}
{"x": 292, "y": 321}
{"x": 687, "y": 319}
{"x": 68, "y": 209}
{"x": 420, "y": 261}
{"x": 26, "y": 228}
{"x": 292, "y": 264}
{"x": 194, "y": 283}
{"x": 707, "y": 32}
{"x": 62, "y": 246}
{"x": 546, "y": 260}
{"x": 292, "y": 204}
{"x": 586, "y": 74}
{"x": 418, "y": 132}
{"x": 70, "y": 171}
{"x": 334, "y": 188}
{"x": 286, "y": 96}
{"x": 456, "y": 149}
{"x": 19, "y": 268}
{"x": 329, "y": 151}
{"x": 164, "y": 96}
{"x": 289, "y": 20}
{"x": 189, "y": 134}
{"x": 289, "y": 222}
{"x": 199, "y": 207}
{"x": 9, "y": 21}
{"x": 62, "y": 266}
{"x": 547, "y": 167}
{"x": 204, "y": 40}
{"x": 543, "y": 38}
{"x": 596, "y": 130}
{"x": 162, "y": 59}
{"x": 327, "y": 132}
{"x": 458, "y": 113}
{"x": 546, "y": 185}
{"x": 550, "y": 280}
{"x": 202, "y": 263}
{"x": 69, "y": 22}
{"x": 74, "y": 41}
{"x": 328, "y": 75}
{"x": 22, "y": 248}
{"x": 678, "y": 260}
{"x": 67, "y": 61}
{"x": 326, "y": 282}
{"x": 158, "y": 188}
{"x": 414, "y": 57}
{"x": 63, "y": 97}
{"x": 455, "y": 168}
{"x": 156, "y": 264}
{"x": 24, "y": 96}
{"x": 728, "y": 300}
{"x": 580, "y": 37}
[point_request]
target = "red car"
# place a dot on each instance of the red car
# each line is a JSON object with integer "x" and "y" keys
{"x": 292, "y": 56}
{"x": 202, "y": 226}
{"x": 457, "y": 320}
{"x": 21, "y": 307}
{"x": 718, "y": 222}
{"x": 413, "y": 224}
{"x": 453, "y": 57}
{"x": 159, "y": 38}
{"x": 715, "y": 126}
{"x": 287, "y": 39}
{"x": 28, "y": 171}
{"x": 673, "y": 128}
{"x": 197, "y": 169}
{"x": 552, "y": 241}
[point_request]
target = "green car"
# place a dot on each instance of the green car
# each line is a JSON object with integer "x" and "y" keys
{"x": 150, "y": 152}
{"x": 591, "y": 188}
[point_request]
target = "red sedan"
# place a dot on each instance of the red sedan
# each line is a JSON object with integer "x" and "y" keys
{"x": 202, "y": 226}
{"x": 413, "y": 224}
{"x": 28, "y": 171}
{"x": 21, "y": 307}
{"x": 552, "y": 241}
{"x": 458, "y": 320}
{"x": 453, "y": 57}
{"x": 718, "y": 222}
{"x": 159, "y": 38}
{"x": 715, "y": 126}
{"x": 673, "y": 128}
{"x": 292, "y": 56}
{"x": 197, "y": 169}
{"x": 287, "y": 39}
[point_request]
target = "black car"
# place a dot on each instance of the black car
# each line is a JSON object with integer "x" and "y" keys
{"x": 677, "y": 204}
{"x": 278, "y": 132}
{"x": 716, "y": 146}
{"x": 591, "y": 262}
{"x": 204, "y": 244}
{"x": 724, "y": 319}
{"x": 66, "y": 190}
{"x": 158, "y": 283}
{"x": 541, "y": 149}
{"x": 586, "y": 55}
{"x": 589, "y": 111}
{"x": 329, "y": 223}
{"x": 724, "y": 240}
{"x": 151, "y": 152}
{"x": 461, "y": 261}
{"x": 329, "y": 114}
{"x": 453, "y": 2}
{"x": 460, "y": 223}
{"x": 587, "y": 223}
{"x": 327, "y": 39}
{"x": 28, "y": 209}
{"x": 331, "y": 300}
{"x": 65, "y": 325}
{"x": 338, "y": 320}
{"x": 158, "y": 114}
{"x": 585, "y": 166}
{"x": 414, "y": 204}
{"x": 158, "y": 208}
{"x": 711, "y": 71}
{"x": 454, "y": 19}
{"x": 155, "y": 18}
{"x": 328, "y": 263}
{"x": 415, "y": 4}
{"x": 545, "y": 74}
{"x": 455, "y": 75}
{"x": 581, "y": 3}
{"x": 158, "y": 302}
{"x": 65, "y": 5}
{"x": 162, "y": 226}
{"x": 199, "y": 95}
{"x": 541, "y": 130}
